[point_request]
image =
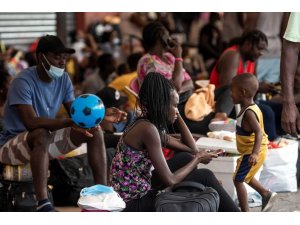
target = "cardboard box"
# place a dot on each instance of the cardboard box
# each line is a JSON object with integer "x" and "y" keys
{"x": 224, "y": 168}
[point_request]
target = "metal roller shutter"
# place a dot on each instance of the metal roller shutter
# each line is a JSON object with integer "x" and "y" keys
{"x": 21, "y": 29}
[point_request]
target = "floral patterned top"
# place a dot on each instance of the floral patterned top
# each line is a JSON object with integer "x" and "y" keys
{"x": 130, "y": 173}
{"x": 152, "y": 63}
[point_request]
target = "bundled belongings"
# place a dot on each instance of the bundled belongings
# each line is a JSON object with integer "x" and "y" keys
{"x": 200, "y": 103}
{"x": 279, "y": 170}
{"x": 100, "y": 198}
{"x": 17, "y": 173}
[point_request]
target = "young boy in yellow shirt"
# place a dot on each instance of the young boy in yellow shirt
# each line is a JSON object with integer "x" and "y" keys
{"x": 252, "y": 141}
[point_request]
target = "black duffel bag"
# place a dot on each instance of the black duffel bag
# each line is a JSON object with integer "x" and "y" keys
{"x": 187, "y": 196}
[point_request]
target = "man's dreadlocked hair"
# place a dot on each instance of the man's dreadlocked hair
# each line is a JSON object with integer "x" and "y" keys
{"x": 254, "y": 37}
{"x": 155, "y": 101}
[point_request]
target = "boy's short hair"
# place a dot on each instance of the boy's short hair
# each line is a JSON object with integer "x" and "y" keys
{"x": 246, "y": 81}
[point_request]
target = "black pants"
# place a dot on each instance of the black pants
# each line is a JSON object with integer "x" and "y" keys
{"x": 203, "y": 176}
{"x": 272, "y": 118}
{"x": 144, "y": 204}
{"x": 223, "y": 100}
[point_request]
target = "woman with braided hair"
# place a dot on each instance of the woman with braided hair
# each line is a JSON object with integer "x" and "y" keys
{"x": 139, "y": 150}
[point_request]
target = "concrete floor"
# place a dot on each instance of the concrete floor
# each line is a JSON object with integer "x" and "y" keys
{"x": 285, "y": 202}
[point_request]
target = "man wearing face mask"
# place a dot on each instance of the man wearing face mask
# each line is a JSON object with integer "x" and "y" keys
{"x": 32, "y": 134}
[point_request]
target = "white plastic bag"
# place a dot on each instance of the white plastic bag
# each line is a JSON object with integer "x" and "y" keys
{"x": 279, "y": 169}
{"x": 100, "y": 197}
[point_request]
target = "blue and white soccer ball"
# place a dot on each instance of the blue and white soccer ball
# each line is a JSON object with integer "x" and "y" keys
{"x": 87, "y": 110}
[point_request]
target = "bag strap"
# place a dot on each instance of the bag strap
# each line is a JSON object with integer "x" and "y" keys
{"x": 188, "y": 184}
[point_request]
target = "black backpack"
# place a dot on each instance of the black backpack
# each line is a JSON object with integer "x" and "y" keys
{"x": 68, "y": 176}
{"x": 187, "y": 196}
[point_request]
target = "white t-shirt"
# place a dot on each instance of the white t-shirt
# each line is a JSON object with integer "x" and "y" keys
{"x": 269, "y": 23}
{"x": 292, "y": 32}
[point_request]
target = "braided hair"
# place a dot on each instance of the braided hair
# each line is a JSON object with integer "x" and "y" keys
{"x": 155, "y": 101}
{"x": 151, "y": 34}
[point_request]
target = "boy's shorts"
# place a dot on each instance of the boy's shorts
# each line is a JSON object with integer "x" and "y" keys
{"x": 244, "y": 172}
{"x": 17, "y": 152}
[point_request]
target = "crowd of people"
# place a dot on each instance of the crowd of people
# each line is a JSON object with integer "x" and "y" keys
{"x": 145, "y": 91}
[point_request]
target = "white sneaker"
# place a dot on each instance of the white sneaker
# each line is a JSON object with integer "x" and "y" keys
{"x": 267, "y": 202}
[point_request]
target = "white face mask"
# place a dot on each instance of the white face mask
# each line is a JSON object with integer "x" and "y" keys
{"x": 54, "y": 72}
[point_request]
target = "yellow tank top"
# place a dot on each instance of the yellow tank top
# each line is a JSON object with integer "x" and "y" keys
{"x": 244, "y": 139}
